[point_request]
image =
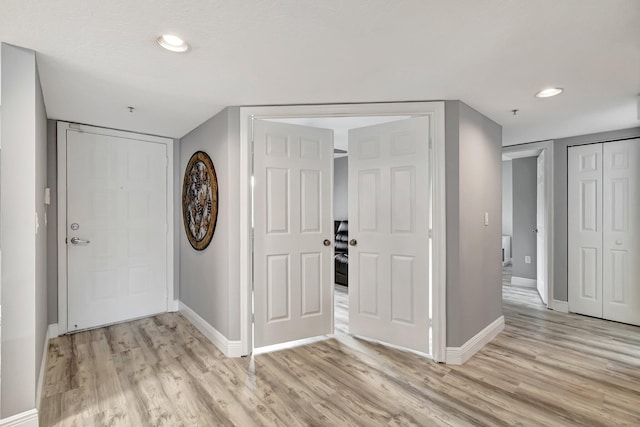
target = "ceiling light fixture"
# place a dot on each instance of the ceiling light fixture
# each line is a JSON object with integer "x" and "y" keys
{"x": 173, "y": 43}
{"x": 552, "y": 91}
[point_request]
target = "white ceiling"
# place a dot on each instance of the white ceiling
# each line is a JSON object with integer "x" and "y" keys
{"x": 98, "y": 57}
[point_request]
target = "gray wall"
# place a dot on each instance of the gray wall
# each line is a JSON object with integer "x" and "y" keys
{"x": 473, "y": 186}
{"x": 209, "y": 279}
{"x": 507, "y": 198}
{"x": 560, "y": 147}
{"x": 24, "y": 312}
{"x": 525, "y": 199}
{"x": 340, "y": 189}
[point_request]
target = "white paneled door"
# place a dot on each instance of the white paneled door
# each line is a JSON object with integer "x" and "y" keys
{"x": 389, "y": 195}
{"x": 604, "y": 231}
{"x": 116, "y": 229}
{"x": 293, "y": 232}
{"x": 585, "y": 229}
{"x": 621, "y": 231}
{"x": 541, "y": 258}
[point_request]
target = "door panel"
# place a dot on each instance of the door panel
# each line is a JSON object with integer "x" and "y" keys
{"x": 293, "y": 270}
{"x": 585, "y": 229}
{"x": 389, "y": 219}
{"x": 116, "y": 194}
{"x": 621, "y": 232}
{"x": 541, "y": 258}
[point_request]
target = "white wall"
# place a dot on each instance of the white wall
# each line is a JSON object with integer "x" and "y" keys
{"x": 23, "y": 276}
{"x": 507, "y": 198}
{"x": 209, "y": 279}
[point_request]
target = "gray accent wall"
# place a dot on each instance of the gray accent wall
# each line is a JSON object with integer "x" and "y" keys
{"x": 473, "y": 155}
{"x": 340, "y": 189}
{"x": 209, "y": 279}
{"x": 24, "y": 244}
{"x": 507, "y": 198}
{"x": 523, "y": 242}
{"x": 560, "y": 236}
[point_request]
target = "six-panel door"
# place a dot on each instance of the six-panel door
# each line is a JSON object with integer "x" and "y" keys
{"x": 389, "y": 193}
{"x": 293, "y": 267}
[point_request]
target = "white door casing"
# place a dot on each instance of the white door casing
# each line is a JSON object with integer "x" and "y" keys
{"x": 621, "y": 231}
{"x": 293, "y": 268}
{"x": 541, "y": 211}
{"x": 389, "y": 193}
{"x": 585, "y": 229}
{"x": 117, "y": 201}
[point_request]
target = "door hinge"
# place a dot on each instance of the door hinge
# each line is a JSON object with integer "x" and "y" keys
{"x": 253, "y": 317}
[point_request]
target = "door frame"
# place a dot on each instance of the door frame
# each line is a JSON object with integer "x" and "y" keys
{"x": 547, "y": 148}
{"x": 62, "y": 128}
{"x": 435, "y": 112}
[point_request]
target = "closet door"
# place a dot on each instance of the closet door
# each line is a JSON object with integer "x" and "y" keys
{"x": 621, "y": 231}
{"x": 585, "y": 229}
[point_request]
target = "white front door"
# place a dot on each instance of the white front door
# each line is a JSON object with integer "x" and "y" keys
{"x": 585, "y": 229}
{"x": 116, "y": 229}
{"x": 293, "y": 232}
{"x": 541, "y": 270}
{"x": 389, "y": 194}
{"x": 621, "y": 231}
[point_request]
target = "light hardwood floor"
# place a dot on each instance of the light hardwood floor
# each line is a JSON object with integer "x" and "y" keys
{"x": 546, "y": 368}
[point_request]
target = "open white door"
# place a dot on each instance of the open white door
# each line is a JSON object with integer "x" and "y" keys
{"x": 585, "y": 229}
{"x": 541, "y": 266}
{"x": 389, "y": 194}
{"x": 293, "y": 232}
{"x": 116, "y": 229}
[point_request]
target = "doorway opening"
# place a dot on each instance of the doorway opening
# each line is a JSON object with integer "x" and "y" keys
{"x": 527, "y": 225}
{"x": 341, "y": 231}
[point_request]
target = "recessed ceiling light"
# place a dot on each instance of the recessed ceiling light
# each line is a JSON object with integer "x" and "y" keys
{"x": 552, "y": 91}
{"x": 173, "y": 43}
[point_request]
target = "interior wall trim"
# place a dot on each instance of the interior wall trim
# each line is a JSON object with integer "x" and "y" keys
{"x": 523, "y": 281}
{"x": 228, "y": 347}
{"x": 561, "y": 306}
{"x": 24, "y": 419}
{"x": 459, "y": 355}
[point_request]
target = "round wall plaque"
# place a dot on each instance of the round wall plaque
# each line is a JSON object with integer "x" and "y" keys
{"x": 200, "y": 200}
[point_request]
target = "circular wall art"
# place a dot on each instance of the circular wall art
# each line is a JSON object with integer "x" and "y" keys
{"x": 200, "y": 200}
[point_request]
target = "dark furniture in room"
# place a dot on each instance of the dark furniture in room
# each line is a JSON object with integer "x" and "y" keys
{"x": 341, "y": 229}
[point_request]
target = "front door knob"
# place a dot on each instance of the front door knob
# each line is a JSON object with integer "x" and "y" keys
{"x": 327, "y": 242}
{"x": 353, "y": 242}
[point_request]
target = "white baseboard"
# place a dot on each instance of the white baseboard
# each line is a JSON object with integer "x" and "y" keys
{"x": 459, "y": 355}
{"x": 229, "y": 348}
{"x": 52, "y": 332}
{"x": 523, "y": 281}
{"x": 175, "y": 306}
{"x": 561, "y": 306}
{"x": 24, "y": 419}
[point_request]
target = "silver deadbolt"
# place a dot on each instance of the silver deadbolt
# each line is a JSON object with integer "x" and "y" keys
{"x": 327, "y": 242}
{"x": 353, "y": 242}
{"x": 75, "y": 226}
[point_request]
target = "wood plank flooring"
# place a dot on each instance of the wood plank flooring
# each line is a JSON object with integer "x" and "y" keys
{"x": 546, "y": 368}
